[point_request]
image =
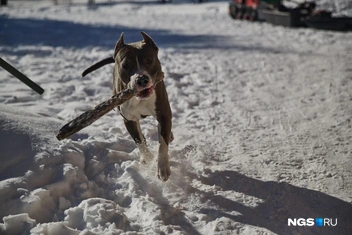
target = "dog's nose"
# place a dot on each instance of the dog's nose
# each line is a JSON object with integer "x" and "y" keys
{"x": 142, "y": 80}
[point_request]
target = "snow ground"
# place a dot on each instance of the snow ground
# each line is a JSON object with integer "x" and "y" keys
{"x": 261, "y": 119}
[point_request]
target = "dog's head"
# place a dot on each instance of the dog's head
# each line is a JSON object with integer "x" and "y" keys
{"x": 138, "y": 66}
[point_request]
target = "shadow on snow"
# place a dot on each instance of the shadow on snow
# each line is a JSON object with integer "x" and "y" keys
{"x": 55, "y": 33}
{"x": 280, "y": 202}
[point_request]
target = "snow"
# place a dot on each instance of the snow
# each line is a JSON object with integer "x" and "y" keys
{"x": 261, "y": 120}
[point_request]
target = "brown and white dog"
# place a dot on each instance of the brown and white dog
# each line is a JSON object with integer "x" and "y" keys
{"x": 137, "y": 67}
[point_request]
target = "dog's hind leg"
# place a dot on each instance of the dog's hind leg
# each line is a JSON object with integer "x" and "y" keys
{"x": 133, "y": 127}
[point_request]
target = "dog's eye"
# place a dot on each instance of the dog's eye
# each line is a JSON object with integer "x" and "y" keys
{"x": 149, "y": 61}
{"x": 126, "y": 65}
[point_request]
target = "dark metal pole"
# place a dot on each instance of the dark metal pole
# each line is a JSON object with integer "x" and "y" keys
{"x": 21, "y": 76}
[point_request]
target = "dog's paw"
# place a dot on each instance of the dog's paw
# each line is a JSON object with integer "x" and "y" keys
{"x": 146, "y": 157}
{"x": 171, "y": 137}
{"x": 163, "y": 168}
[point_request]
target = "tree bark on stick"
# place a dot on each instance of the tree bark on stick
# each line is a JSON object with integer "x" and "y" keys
{"x": 94, "y": 114}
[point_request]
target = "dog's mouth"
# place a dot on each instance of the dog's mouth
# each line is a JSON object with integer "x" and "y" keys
{"x": 145, "y": 93}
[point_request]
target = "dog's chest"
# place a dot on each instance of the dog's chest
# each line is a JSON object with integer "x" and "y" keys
{"x": 134, "y": 109}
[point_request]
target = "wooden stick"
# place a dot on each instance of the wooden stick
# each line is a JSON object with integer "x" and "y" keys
{"x": 21, "y": 76}
{"x": 94, "y": 114}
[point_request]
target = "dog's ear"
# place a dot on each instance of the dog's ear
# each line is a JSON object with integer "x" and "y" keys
{"x": 120, "y": 43}
{"x": 148, "y": 40}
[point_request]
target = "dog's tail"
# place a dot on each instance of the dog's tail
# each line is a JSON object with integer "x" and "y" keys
{"x": 98, "y": 65}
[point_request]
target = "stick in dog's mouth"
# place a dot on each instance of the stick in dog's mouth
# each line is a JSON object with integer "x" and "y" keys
{"x": 94, "y": 114}
{"x": 145, "y": 93}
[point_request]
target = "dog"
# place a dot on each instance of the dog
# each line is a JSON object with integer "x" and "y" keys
{"x": 137, "y": 67}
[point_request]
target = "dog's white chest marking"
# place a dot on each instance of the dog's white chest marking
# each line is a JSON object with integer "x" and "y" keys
{"x": 134, "y": 109}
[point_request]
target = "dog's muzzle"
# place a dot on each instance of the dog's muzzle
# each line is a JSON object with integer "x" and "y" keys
{"x": 144, "y": 86}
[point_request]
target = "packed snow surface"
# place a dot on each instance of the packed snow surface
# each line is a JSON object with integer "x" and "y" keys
{"x": 262, "y": 120}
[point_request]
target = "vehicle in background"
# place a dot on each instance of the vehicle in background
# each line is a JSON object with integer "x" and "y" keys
{"x": 275, "y": 12}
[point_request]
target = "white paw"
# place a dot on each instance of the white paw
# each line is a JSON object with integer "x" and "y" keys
{"x": 146, "y": 157}
{"x": 163, "y": 168}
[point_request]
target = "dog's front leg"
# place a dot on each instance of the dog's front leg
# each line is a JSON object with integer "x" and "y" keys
{"x": 165, "y": 136}
{"x": 133, "y": 127}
